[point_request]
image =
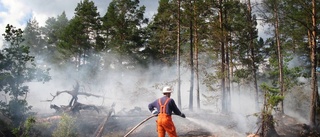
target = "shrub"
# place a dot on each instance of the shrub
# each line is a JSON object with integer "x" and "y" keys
{"x": 65, "y": 127}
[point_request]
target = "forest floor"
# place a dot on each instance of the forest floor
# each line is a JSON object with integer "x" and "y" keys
{"x": 194, "y": 125}
{"x": 202, "y": 124}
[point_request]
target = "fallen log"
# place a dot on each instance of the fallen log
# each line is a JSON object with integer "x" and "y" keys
{"x": 49, "y": 119}
{"x": 99, "y": 131}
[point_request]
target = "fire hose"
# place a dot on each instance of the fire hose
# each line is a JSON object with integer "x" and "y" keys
{"x": 135, "y": 127}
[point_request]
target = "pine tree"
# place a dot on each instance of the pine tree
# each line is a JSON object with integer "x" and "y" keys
{"x": 163, "y": 36}
{"x": 53, "y": 32}
{"x": 123, "y": 32}
{"x": 33, "y": 37}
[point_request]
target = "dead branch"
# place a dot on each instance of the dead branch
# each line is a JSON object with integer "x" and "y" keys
{"x": 74, "y": 106}
{"x": 88, "y": 94}
{"x": 57, "y": 94}
{"x": 71, "y": 93}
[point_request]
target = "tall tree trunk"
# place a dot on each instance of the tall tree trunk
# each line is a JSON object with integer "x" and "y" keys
{"x": 263, "y": 115}
{"x": 227, "y": 63}
{"x": 280, "y": 58}
{"x": 252, "y": 49}
{"x": 196, "y": 46}
{"x": 223, "y": 60}
{"x": 191, "y": 68}
{"x": 231, "y": 65}
{"x": 313, "y": 58}
{"x": 178, "y": 57}
{"x": 78, "y": 58}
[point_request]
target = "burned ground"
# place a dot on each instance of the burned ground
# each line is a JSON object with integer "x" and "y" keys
{"x": 87, "y": 123}
{"x": 195, "y": 125}
{"x": 119, "y": 124}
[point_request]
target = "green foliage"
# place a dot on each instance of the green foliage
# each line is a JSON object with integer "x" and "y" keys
{"x": 72, "y": 39}
{"x": 13, "y": 36}
{"x": 66, "y": 127}
{"x": 163, "y": 36}
{"x": 28, "y": 125}
{"x": 290, "y": 72}
{"x": 210, "y": 81}
{"x": 274, "y": 100}
{"x": 33, "y": 39}
{"x": 125, "y": 35}
{"x": 80, "y": 41}
{"x": 52, "y": 34}
{"x": 272, "y": 96}
{"x": 293, "y": 21}
{"x": 26, "y": 130}
{"x": 16, "y": 68}
{"x": 16, "y": 110}
{"x": 241, "y": 73}
{"x": 53, "y": 29}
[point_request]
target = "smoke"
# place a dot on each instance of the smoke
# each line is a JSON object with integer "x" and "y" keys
{"x": 138, "y": 87}
{"x": 297, "y": 103}
{"x": 127, "y": 88}
{"x": 243, "y": 109}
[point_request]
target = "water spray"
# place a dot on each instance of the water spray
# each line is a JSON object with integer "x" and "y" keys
{"x": 201, "y": 123}
{"x": 212, "y": 127}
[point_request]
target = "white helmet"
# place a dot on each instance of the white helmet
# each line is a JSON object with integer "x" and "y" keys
{"x": 167, "y": 89}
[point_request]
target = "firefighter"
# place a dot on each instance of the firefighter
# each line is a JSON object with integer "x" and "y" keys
{"x": 163, "y": 108}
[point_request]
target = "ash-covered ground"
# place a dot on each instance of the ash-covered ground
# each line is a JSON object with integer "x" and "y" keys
{"x": 198, "y": 123}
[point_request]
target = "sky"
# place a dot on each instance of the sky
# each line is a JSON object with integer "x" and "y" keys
{"x": 18, "y": 12}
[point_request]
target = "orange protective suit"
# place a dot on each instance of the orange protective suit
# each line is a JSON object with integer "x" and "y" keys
{"x": 164, "y": 122}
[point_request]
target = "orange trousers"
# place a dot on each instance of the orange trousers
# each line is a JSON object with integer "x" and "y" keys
{"x": 165, "y": 124}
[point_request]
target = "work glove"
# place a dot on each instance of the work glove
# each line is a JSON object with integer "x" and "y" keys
{"x": 155, "y": 112}
{"x": 182, "y": 115}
